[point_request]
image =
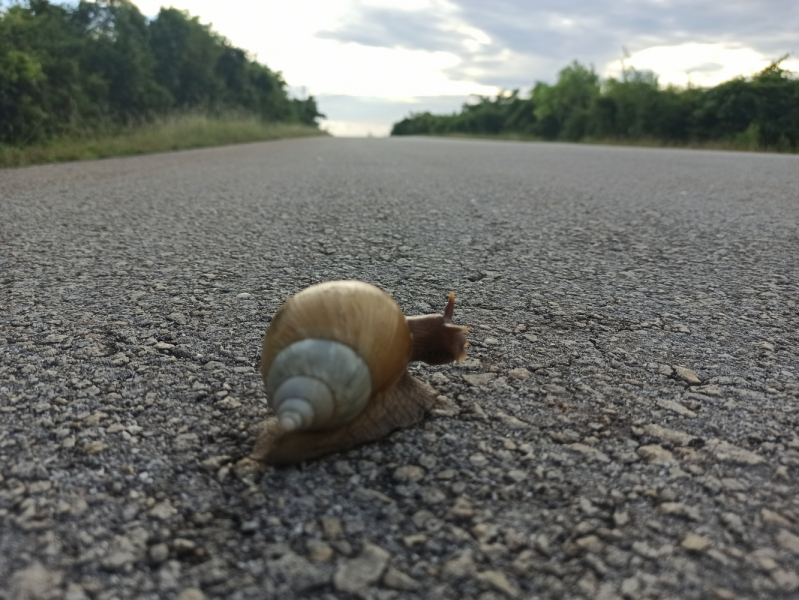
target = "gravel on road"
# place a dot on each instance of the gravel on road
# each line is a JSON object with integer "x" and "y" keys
{"x": 626, "y": 425}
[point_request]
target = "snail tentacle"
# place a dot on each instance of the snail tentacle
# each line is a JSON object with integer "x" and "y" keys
{"x": 436, "y": 340}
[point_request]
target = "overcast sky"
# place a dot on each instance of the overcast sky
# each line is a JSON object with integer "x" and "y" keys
{"x": 371, "y": 62}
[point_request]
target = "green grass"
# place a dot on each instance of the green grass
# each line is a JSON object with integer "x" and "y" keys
{"x": 741, "y": 144}
{"x": 174, "y": 133}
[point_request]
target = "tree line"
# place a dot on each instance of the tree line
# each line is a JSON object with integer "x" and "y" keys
{"x": 760, "y": 111}
{"x": 66, "y": 70}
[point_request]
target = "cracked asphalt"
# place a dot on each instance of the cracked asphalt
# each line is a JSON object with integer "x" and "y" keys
{"x": 626, "y": 424}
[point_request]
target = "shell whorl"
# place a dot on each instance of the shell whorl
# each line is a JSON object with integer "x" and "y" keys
{"x": 317, "y": 384}
{"x": 313, "y": 340}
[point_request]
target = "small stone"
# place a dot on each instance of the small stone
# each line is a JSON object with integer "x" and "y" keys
{"x": 331, "y": 527}
{"x": 629, "y": 587}
{"x": 478, "y": 460}
{"x": 491, "y": 341}
{"x": 300, "y": 574}
{"x": 656, "y": 455}
{"x": 213, "y": 365}
{"x": 676, "y": 407}
{"x": 673, "y": 436}
{"x": 769, "y": 516}
{"x": 500, "y": 582}
{"x": 621, "y": 518}
{"x": 590, "y": 452}
{"x": 695, "y": 543}
{"x": 727, "y": 452}
{"x": 319, "y": 551}
{"x": 459, "y": 567}
{"x": 159, "y": 553}
{"x": 370, "y": 494}
{"x": 75, "y": 592}
{"x": 521, "y": 373}
{"x": 397, "y": 580}
{"x": 432, "y": 495}
{"x": 687, "y": 375}
{"x": 213, "y": 463}
{"x": 788, "y": 581}
{"x": 678, "y": 509}
{"x": 462, "y": 509}
{"x": 163, "y": 346}
{"x": 480, "y": 379}
{"x": 163, "y": 511}
{"x": 94, "y": 447}
{"x": 186, "y": 441}
{"x": 228, "y": 403}
{"x": 191, "y": 594}
{"x": 35, "y": 582}
{"x": 355, "y": 575}
{"x": 243, "y": 296}
{"x": 511, "y": 421}
{"x": 409, "y": 474}
{"x": 788, "y": 541}
{"x": 183, "y": 546}
{"x": 590, "y": 543}
{"x": 416, "y": 539}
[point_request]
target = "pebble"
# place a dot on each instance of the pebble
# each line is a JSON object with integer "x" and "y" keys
{"x": 788, "y": 541}
{"x": 191, "y": 594}
{"x": 687, "y": 375}
{"x": 459, "y": 567}
{"x": 500, "y": 582}
{"x": 695, "y": 543}
{"x": 462, "y": 509}
{"x": 409, "y": 474}
{"x": 678, "y": 509}
{"x": 520, "y": 373}
{"x": 397, "y": 580}
{"x": 355, "y": 575}
{"x": 480, "y": 379}
{"x": 656, "y": 455}
{"x": 331, "y": 526}
{"x": 590, "y": 452}
{"x": 94, "y": 447}
{"x": 296, "y": 571}
{"x": 159, "y": 553}
{"x": 726, "y": 452}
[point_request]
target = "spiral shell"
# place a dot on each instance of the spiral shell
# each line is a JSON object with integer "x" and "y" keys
{"x": 329, "y": 349}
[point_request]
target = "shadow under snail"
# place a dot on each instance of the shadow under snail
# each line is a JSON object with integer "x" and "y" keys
{"x": 335, "y": 361}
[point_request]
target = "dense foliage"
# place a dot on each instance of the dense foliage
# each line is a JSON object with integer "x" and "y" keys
{"x": 761, "y": 111}
{"x": 100, "y": 65}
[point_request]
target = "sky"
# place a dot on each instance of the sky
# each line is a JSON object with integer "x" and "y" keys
{"x": 370, "y": 63}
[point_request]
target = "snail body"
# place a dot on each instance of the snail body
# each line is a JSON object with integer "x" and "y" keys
{"x": 334, "y": 362}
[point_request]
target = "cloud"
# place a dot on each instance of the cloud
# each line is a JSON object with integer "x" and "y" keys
{"x": 511, "y": 43}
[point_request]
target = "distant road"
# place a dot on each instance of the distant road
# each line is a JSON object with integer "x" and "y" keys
{"x": 626, "y": 425}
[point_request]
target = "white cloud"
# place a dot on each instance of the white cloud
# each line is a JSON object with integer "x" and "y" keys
{"x": 698, "y": 64}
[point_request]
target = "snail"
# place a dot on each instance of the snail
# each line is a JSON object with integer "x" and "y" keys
{"x": 334, "y": 363}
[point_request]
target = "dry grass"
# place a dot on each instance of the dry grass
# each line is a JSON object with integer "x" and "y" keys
{"x": 174, "y": 133}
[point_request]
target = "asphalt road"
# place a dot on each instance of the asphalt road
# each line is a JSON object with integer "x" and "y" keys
{"x": 626, "y": 425}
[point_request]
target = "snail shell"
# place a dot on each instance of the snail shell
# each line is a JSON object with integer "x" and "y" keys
{"x": 334, "y": 362}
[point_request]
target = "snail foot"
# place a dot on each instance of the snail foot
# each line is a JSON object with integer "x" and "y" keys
{"x": 401, "y": 406}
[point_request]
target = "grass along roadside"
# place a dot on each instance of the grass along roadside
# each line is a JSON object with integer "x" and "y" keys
{"x": 741, "y": 145}
{"x": 174, "y": 133}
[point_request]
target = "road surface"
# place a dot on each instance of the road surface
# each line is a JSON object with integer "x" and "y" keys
{"x": 626, "y": 424}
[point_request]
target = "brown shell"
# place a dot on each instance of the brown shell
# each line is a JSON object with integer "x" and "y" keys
{"x": 353, "y": 313}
